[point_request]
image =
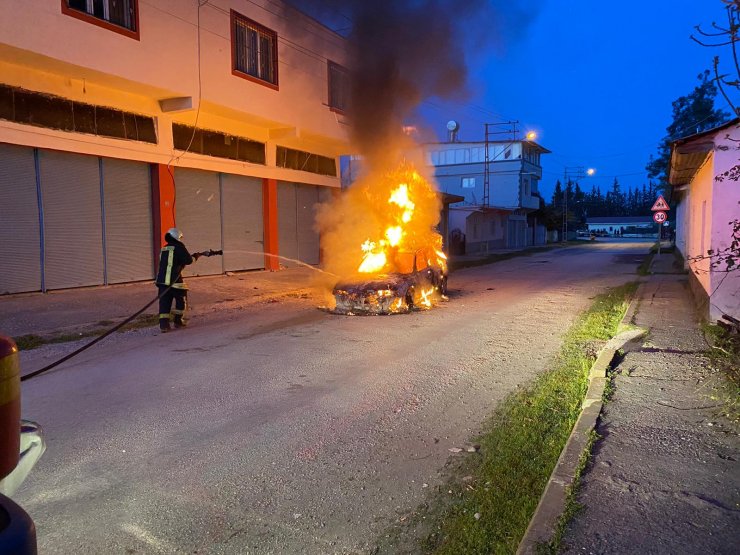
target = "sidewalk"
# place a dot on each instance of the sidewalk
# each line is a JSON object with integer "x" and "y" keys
{"x": 664, "y": 477}
{"x": 74, "y": 310}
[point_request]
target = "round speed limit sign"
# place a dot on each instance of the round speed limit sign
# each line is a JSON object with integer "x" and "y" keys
{"x": 660, "y": 217}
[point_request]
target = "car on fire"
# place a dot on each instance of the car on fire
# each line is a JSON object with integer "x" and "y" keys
{"x": 420, "y": 281}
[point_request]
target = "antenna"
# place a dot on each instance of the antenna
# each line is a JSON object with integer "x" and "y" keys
{"x": 452, "y": 128}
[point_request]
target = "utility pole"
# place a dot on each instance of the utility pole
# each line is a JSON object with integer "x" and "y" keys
{"x": 505, "y": 130}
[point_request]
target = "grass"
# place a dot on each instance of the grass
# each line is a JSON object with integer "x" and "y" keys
{"x": 644, "y": 268}
{"x": 521, "y": 444}
{"x": 724, "y": 352}
{"x": 34, "y": 341}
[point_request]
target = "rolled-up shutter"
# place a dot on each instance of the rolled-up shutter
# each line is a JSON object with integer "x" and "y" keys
{"x": 73, "y": 234}
{"x": 198, "y": 216}
{"x": 20, "y": 242}
{"x": 128, "y": 220}
{"x": 307, "y": 197}
{"x": 287, "y": 223}
{"x": 241, "y": 200}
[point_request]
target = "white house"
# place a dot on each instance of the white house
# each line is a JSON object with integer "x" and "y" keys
{"x": 121, "y": 118}
{"x": 623, "y": 226}
{"x": 704, "y": 175}
{"x": 498, "y": 214}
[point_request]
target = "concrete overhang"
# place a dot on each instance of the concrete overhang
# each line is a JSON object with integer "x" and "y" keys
{"x": 688, "y": 154}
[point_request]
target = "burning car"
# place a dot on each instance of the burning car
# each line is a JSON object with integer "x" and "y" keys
{"x": 421, "y": 281}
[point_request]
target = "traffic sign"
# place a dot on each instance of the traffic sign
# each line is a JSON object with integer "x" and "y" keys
{"x": 660, "y": 204}
{"x": 660, "y": 217}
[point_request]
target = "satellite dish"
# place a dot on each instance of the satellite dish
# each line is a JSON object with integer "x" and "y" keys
{"x": 452, "y": 125}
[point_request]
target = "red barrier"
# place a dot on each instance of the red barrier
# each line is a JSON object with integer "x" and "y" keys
{"x": 10, "y": 406}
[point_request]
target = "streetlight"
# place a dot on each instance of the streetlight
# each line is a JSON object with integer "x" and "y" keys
{"x": 575, "y": 173}
{"x": 531, "y": 135}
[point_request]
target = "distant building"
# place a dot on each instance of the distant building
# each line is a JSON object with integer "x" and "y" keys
{"x": 120, "y": 119}
{"x": 504, "y": 219}
{"x": 706, "y": 194}
{"x": 623, "y": 226}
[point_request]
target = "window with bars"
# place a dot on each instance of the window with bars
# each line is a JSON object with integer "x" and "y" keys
{"x": 117, "y": 15}
{"x": 254, "y": 50}
{"x": 338, "y": 87}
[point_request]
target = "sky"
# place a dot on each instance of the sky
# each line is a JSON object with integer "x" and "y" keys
{"x": 594, "y": 79}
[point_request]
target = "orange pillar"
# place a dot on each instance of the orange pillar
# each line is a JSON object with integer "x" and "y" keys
{"x": 270, "y": 223}
{"x": 163, "y": 205}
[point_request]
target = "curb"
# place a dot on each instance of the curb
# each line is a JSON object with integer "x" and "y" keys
{"x": 552, "y": 503}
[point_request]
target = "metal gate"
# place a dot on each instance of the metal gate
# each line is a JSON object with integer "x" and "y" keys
{"x": 198, "y": 213}
{"x": 128, "y": 220}
{"x": 20, "y": 235}
{"x": 297, "y": 237}
{"x": 72, "y": 219}
{"x": 241, "y": 210}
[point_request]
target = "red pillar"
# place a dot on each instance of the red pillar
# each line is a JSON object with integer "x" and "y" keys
{"x": 270, "y": 223}
{"x": 163, "y": 205}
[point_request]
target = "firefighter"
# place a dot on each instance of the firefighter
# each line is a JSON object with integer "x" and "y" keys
{"x": 172, "y": 261}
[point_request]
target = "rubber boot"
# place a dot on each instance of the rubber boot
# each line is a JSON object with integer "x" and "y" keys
{"x": 164, "y": 325}
{"x": 179, "y": 321}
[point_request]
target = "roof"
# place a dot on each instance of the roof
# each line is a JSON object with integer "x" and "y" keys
{"x": 689, "y": 153}
{"x": 620, "y": 220}
{"x": 449, "y": 198}
{"x": 463, "y": 144}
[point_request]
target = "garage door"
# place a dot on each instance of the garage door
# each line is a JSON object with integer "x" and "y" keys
{"x": 241, "y": 200}
{"x": 198, "y": 216}
{"x": 73, "y": 230}
{"x": 128, "y": 221}
{"x": 287, "y": 222}
{"x": 307, "y": 197}
{"x": 19, "y": 221}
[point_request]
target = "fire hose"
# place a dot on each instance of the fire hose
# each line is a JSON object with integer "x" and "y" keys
{"x": 196, "y": 255}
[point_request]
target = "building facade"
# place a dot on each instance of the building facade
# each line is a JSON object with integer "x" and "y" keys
{"x": 122, "y": 118}
{"x": 623, "y": 226}
{"x": 704, "y": 173}
{"x": 503, "y": 218}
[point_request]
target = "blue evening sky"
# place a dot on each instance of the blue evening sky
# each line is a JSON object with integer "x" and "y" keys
{"x": 594, "y": 78}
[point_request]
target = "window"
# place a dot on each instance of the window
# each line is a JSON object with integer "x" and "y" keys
{"x": 121, "y": 16}
{"x": 55, "y": 112}
{"x": 305, "y": 161}
{"x": 468, "y": 182}
{"x": 338, "y": 87}
{"x": 253, "y": 51}
{"x": 216, "y": 143}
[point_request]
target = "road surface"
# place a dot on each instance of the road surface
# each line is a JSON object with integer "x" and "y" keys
{"x": 282, "y": 428}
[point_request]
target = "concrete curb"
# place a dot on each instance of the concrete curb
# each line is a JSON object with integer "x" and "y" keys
{"x": 552, "y": 503}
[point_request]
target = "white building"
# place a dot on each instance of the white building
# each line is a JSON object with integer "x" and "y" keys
{"x": 704, "y": 174}
{"x": 503, "y": 219}
{"x": 121, "y": 118}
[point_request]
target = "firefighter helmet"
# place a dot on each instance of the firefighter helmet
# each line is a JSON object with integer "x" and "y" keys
{"x": 175, "y": 233}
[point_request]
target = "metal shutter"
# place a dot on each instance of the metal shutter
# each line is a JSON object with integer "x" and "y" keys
{"x": 128, "y": 221}
{"x": 307, "y": 197}
{"x": 73, "y": 234}
{"x": 198, "y": 216}
{"x": 241, "y": 208}
{"x": 20, "y": 240}
{"x": 287, "y": 223}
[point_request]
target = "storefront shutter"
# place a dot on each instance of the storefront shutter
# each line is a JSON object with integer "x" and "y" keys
{"x": 73, "y": 234}
{"x": 198, "y": 216}
{"x": 287, "y": 223}
{"x": 241, "y": 200}
{"x": 20, "y": 241}
{"x": 307, "y": 198}
{"x": 128, "y": 220}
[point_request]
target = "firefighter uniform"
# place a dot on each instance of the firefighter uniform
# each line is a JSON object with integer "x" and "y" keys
{"x": 172, "y": 261}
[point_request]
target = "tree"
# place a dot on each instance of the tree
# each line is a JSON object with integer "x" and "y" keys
{"x": 692, "y": 113}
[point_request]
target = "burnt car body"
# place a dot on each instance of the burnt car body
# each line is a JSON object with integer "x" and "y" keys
{"x": 396, "y": 292}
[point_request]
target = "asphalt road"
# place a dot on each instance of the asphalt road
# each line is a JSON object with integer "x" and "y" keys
{"x": 282, "y": 428}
